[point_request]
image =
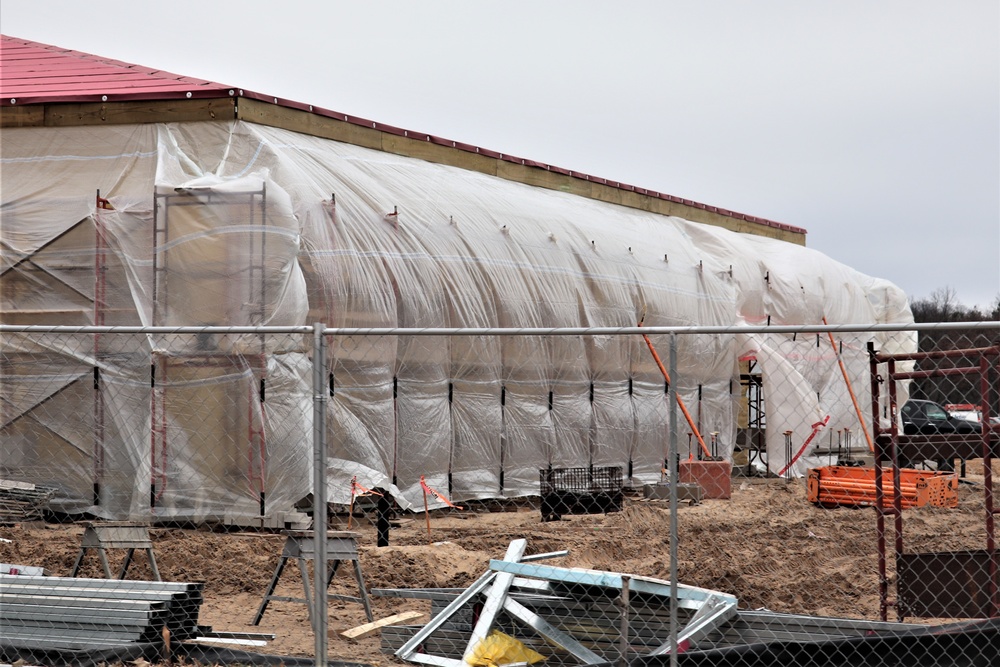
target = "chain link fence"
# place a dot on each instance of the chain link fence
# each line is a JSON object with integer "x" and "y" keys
{"x": 821, "y": 494}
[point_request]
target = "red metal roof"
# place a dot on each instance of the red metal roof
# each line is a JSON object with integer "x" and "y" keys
{"x": 34, "y": 73}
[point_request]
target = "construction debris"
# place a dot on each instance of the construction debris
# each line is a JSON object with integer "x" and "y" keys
{"x": 569, "y": 615}
{"x": 23, "y": 570}
{"x": 368, "y": 628}
{"x": 209, "y": 636}
{"x": 574, "y": 616}
{"x": 21, "y": 501}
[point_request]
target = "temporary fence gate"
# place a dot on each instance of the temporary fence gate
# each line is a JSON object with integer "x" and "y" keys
{"x": 963, "y": 584}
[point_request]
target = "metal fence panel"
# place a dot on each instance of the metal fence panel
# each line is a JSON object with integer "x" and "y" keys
{"x": 817, "y": 495}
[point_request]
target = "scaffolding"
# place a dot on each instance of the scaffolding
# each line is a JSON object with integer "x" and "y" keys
{"x": 753, "y": 421}
{"x": 208, "y": 358}
{"x": 100, "y": 309}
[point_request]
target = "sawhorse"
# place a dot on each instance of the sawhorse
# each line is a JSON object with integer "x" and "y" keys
{"x": 301, "y": 545}
{"x": 116, "y": 535}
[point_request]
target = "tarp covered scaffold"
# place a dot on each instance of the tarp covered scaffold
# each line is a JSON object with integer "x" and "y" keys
{"x": 233, "y": 223}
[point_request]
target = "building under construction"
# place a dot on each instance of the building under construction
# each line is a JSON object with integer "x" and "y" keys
{"x": 133, "y": 196}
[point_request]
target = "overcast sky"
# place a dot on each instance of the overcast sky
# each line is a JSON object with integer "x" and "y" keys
{"x": 874, "y": 125}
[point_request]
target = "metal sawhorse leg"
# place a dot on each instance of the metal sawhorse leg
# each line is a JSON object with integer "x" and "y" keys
{"x": 116, "y": 535}
{"x": 301, "y": 545}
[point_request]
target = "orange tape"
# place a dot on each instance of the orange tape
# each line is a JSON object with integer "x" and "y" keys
{"x": 364, "y": 491}
{"x": 440, "y": 497}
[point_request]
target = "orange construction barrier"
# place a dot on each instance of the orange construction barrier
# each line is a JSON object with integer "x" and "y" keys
{"x": 852, "y": 486}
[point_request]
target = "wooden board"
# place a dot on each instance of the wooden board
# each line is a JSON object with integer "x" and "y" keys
{"x": 368, "y": 628}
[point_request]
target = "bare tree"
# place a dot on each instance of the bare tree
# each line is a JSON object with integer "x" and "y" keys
{"x": 943, "y": 306}
{"x": 946, "y": 300}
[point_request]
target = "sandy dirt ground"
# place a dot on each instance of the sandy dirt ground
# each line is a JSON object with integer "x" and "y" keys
{"x": 767, "y": 545}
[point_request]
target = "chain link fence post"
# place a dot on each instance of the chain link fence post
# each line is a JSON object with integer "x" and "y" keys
{"x": 319, "y": 492}
{"x": 674, "y": 529}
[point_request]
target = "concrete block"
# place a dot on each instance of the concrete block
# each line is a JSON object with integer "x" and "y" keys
{"x": 662, "y": 492}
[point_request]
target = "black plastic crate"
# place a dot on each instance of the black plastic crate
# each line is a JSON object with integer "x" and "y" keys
{"x": 594, "y": 490}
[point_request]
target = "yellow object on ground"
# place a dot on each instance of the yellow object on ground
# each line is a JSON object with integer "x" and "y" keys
{"x": 501, "y": 649}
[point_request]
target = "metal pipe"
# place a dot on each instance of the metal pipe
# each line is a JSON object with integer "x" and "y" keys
{"x": 938, "y": 354}
{"x": 897, "y": 500}
{"x": 623, "y": 639}
{"x": 883, "y": 577}
{"x": 850, "y": 389}
{"x": 985, "y": 387}
{"x": 674, "y": 532}
{"x": 677, "y": 398}
{"x": 510, "y": 331}
{"x": 939, "y": 372}
{"x": 319, "y": 494}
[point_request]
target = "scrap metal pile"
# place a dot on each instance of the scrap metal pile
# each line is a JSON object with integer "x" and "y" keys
{"x": 574, "y": 616}
{"x": 22, "y": 501}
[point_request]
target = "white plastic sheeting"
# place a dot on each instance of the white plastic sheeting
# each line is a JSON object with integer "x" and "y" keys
{"x": 230, "y": 223}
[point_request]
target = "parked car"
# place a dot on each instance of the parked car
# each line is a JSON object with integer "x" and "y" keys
{"x": 928, "y": 417}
